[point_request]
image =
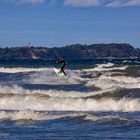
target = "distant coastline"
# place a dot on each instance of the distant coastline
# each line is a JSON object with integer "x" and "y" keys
{"x": 76, "y": 51}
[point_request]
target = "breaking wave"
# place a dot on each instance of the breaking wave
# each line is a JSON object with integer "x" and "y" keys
{"x": 21, "y": 70}
{"x": 46, "y": 103}
{"x": 27, "y": 116}
{"x": 40, "y": 91}
{"x": 114, "y": 82}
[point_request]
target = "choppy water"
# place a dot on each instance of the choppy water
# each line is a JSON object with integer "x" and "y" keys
{"x": 97, "y": 100}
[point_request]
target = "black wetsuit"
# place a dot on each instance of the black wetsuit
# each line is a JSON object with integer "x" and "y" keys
{"x": 64, "y": 66}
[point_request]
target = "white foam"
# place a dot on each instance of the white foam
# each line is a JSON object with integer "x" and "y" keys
{"x": 107, "y": 118}
{"x": 21, "y": 69}
{"x": 125, "y": 79}
{"x": 50, "y": 77}
{"x": 67, "y": 104}
{"x": 17, "y": 90}
{"x": 36, "y": 115}
{"x": 106, "y": 67}
{"x": 14, "y": 89}
{"x": 19, "y": 115}
{"x": 113, "y": 82}
{"x": 30, "y": 115}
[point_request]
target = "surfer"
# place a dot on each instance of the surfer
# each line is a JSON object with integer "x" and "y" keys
{"x": 64, "y": 65}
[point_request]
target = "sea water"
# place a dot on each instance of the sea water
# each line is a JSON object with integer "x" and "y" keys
{"x": 99, "y": 99}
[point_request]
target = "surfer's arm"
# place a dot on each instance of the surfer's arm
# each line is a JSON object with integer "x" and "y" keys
{"x": 60, "y": 61}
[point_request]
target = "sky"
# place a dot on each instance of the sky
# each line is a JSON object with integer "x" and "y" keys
{"x": 56, "y": 23}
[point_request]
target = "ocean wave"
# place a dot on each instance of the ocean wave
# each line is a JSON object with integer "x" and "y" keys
{"x": 21, "y": 70}
{"x": 42, "y": 103}
{"x": 50, "y": 77}
{"x": 28, "y": 116}
{"x": 60, "y": 91}
{"x": 16, "y": 89}
{"x": 106, "y": 67}
{"x": 114, "y": 82}
{"x": 106, "y": 118}
{"x": 24, "y": 115}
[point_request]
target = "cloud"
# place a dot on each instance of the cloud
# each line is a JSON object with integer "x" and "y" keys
{"x": 24, "y": 1}
{"x": 101, "y": 3}
{"x": 122, "y": 3}
{"x": 133, "y": 3}
{"x": 116, "y": 3}
{"x": 31, "y": 1}
{"x": 82, "y": 3}
{"x": 79, "y": 3}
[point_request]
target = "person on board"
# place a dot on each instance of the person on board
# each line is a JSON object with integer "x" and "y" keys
{"x": 64, "y": 65}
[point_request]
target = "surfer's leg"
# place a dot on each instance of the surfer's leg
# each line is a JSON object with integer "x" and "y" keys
{"x": 65, "y": 66}
{"x": 62, "y": 69}
{"x": 64, "y": 72}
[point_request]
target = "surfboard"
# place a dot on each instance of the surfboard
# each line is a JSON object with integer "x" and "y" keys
{"x": 57, "y": 71}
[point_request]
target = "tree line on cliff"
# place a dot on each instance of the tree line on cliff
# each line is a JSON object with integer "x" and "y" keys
{"x": 76, "y": 51}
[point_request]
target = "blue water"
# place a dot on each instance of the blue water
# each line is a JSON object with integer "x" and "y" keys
{"x": 99, "y": 99}
{"x": 71, "y": 129}
{"x": 73, "y": 64}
